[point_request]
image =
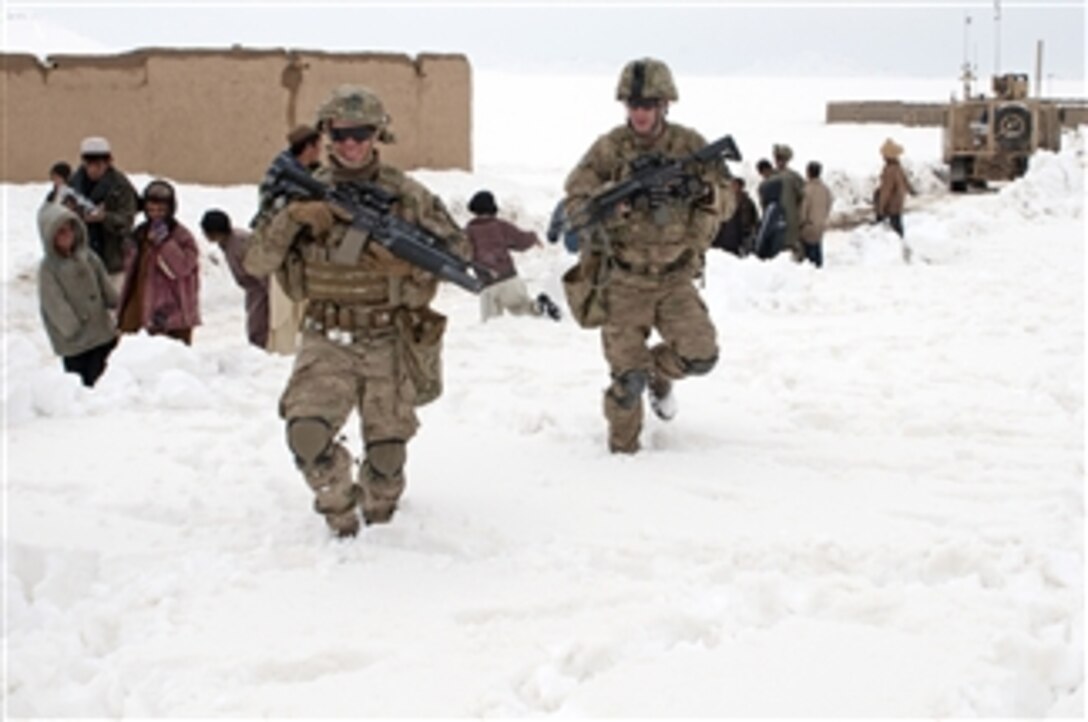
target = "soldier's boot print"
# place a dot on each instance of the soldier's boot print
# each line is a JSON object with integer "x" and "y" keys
{"x": 623, "y": 410}
{"x": 326, "y": 467}
{"x": 382, "y": 480}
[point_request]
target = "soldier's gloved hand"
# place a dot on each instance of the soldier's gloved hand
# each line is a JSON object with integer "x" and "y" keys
{"x": 702, "y": 192}
{"x": 317, "y": 215}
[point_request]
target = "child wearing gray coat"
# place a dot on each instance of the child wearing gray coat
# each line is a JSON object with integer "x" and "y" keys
{"x": 75, "y": 294}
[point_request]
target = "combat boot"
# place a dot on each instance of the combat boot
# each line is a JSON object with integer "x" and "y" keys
{"x": 662, "y": 399}
{"x": 547, "y": 307}
{"x": 344, "y": 524}
{"x": 623, "y": 409}
{"x": 335, "y": 497}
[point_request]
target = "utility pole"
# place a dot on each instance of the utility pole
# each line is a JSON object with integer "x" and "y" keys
{"x": 1038, "y": 68}
{"x": 997, "y": 37}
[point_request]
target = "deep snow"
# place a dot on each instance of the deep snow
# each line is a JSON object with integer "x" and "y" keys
{"x": 873, "y": 505}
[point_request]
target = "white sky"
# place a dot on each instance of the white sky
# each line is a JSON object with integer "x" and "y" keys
{"x": 917, "y": 39}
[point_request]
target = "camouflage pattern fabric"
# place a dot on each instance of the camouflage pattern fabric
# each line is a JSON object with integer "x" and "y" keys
{"x": 352, "y": 348}
{"x": 656, "y": 253}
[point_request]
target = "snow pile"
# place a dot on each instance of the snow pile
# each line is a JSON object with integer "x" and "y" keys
{"x": 1052, "y": 187}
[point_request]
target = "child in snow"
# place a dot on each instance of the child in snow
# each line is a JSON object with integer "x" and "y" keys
{"x": 75, "y": 294}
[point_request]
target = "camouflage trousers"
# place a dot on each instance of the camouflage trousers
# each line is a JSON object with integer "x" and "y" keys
{"x": 327, "y": 382}
{"x": 688, "y": 346}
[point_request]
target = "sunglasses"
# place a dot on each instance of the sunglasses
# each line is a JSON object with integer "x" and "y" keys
{"x": 358, "y": 133}
{"x": 642, "y": 103}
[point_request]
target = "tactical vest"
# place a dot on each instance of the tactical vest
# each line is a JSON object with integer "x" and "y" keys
{"x": 362, "y": 292}
{"x": 657, "y": 237}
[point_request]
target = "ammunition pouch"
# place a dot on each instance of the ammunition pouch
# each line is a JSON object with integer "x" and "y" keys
{"x": 585, "y": 285}
{"x": 345, "y": 324}
{"x": 291, "y": 276}
{"x": 326, "y": 281}
{"x": 656, "y": 270}
{"x": 420, "y": 332}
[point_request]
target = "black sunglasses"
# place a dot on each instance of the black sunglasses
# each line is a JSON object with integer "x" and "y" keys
{"x": 358, "y": 133}
{"x": 642, "y": 103}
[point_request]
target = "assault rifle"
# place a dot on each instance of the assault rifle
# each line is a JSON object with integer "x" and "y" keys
{"x": 371, "y": 211}
{"x": 655, "y": 177}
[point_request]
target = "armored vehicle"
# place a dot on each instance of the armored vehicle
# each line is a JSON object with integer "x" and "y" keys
{"x": 992, "y": 138}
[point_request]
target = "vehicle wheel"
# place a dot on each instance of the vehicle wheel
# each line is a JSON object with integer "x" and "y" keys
{"x": 1012, "y": 127}
{"x": 1019, "y": 166}
{"x": 957, "y": 178}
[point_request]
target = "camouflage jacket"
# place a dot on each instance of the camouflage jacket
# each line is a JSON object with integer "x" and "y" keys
{"x": 641, "y": 237}
{"x": 114, "y": 192}
{"x": 304, "y": 266}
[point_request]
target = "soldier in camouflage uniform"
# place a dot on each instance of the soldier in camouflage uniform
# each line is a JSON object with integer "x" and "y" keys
{"x": 369, "y": 339}
{"x": 655, "y": 256}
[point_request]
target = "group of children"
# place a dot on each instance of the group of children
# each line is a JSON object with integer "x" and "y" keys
{"x": 85, "y": 307}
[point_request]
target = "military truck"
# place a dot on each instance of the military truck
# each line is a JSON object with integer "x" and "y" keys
{"x": 992, "y": 138}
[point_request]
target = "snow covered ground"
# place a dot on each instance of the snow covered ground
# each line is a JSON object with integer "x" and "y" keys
{"x": 873, "y": 505}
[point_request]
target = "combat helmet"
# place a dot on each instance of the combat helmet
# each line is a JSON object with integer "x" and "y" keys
{"x": 646, "y": 79}
{"x": 357, "y": 104}
{"x": 781, "y": 151}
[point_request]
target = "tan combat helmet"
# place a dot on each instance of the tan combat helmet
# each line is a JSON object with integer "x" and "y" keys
{"x": 646, "y": 79}
{"x": 356, "y": 104}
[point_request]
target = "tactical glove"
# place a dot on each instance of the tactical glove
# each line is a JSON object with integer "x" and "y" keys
{"x": 703, "y": 193}
{"x": 317, "y": 215}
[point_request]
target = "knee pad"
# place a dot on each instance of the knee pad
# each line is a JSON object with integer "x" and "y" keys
{"x": 310, "y": 440}
{"x": 386, "y": 458}
{"x": 699, "y": 367}
{"x": 627, "y": 388}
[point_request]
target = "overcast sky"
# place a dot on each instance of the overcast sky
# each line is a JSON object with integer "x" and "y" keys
{"x": 918, "y": 39}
